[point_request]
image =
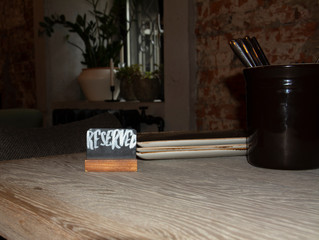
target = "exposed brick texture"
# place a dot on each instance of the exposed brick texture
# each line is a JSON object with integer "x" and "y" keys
{"x": 287, "y": 31}
{"x": 17, "y": 73}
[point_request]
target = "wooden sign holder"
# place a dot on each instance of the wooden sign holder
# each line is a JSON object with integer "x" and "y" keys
{"x": 111, "y": 150}
{"x": 110, "y": 165}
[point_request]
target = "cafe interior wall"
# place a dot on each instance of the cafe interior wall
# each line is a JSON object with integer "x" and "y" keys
{"x": 17, "y": 55}
{"x": 36, "y": 71}
{"x": 287, "y": 30}
{"x": 19, "y": 34}
{"x": 62, "y": 59}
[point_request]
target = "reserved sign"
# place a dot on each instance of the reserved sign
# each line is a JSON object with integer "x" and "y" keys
{"x": 117, "y": 145}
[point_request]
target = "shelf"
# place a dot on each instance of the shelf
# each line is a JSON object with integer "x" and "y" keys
{"x": 105, "y": 105}
{"x": 154, "y": 109}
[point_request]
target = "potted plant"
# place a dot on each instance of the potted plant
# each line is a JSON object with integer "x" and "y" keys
{"x": 128, "y": 76}
{"x": 102, "y": 34}
{"x": 149, "y": 87}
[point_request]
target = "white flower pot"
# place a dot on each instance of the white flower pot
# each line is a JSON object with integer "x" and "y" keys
{"x": 96, "y": 82}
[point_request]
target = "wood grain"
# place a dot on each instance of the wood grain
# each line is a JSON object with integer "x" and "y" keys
{"x": 218, "y": 198}
{"x": 110, "y": 165}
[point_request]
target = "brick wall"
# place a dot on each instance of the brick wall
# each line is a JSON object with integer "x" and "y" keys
{"x": 287, "y": 31}
{"x": 17, "y": 74}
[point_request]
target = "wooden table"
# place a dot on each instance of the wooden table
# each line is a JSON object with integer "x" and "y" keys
{"x": 217, "y": 198}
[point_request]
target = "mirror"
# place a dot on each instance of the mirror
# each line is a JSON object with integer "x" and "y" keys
{"x": 144, "y": 44}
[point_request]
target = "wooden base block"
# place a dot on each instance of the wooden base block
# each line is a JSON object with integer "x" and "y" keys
{"x": 110, "y": 165}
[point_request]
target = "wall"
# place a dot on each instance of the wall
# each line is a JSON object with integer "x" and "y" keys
{"x": 17, "y": 70}
{"x": 287, "y": 31}
{"x": 179, "y": 65}
{"x": 63, "y": 61}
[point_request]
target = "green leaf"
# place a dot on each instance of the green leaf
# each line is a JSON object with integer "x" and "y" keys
{"x": 80, "y": 20}
{"x": 43, "y": 24}
{"x": 97, "y": 34}
{"x": 62, "y": 18}
{"x": 48, "y": 20}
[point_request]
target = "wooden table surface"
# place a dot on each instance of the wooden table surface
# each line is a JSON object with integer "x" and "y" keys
{"x": 217, "y": 198}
